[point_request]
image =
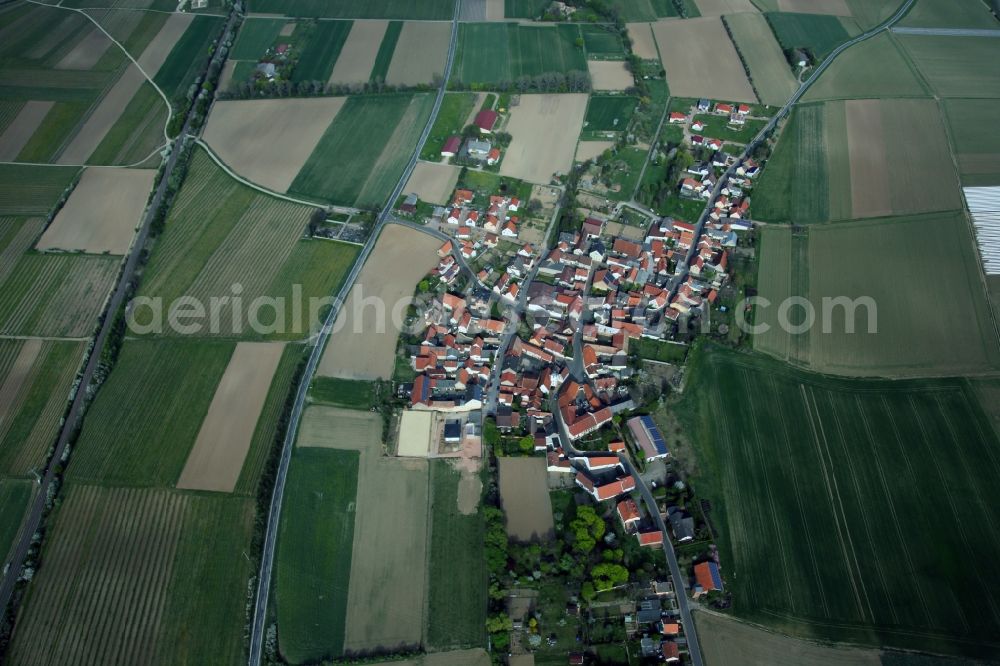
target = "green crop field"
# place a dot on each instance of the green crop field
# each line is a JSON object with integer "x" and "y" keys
{"x": 320, "y": 53}
{"x": 851, "y": 75}
{"x": 455, "y": 108}
{"x": 458, "y": 581}
{"x": 385, "y": 50}
{"x": 14, "y": 497}
{"x": 313, "y": 562}
{"x": 189, "y": 56}
{"x": 894, "y": 336}
{"x": 602, "y": 41}
{"x": 824, "y": 491}
{"x": 644, "y": 10}
{"x": 820, "y": 33}
{"x": 220, "y": 233}
{"x": 256, "y": 36}
{"x": 349, "y": 393}
{"x": 516, "y": 51}
{"x": 717, "y": 127}
{"x": 971, "y": 14}
{"x": 977, "y": 150}
{"x": 158, "y": 559}
{"x": 33, "y": 415}
{"x": 610, "y": 113}
{"x": 146, "y": 417}
{"x": 269, "y": 421}
{"x": 138, "y": 132}
{"x": 32, "y": 190}
{"x": 527, "y": 9}
{"x": 769, "y": 70}
{"x": 956, "y": 66}
{"x": 431, "y": 10}
{"x": 809, "y": 177}
{"x": 380, "y": 133}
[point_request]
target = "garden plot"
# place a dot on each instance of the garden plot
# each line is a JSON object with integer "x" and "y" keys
{"x": 545, "y": 129}
{"x": 102, "y": 213}
{"x": 689, "y": 49}
{"x": 363, "y": 344}
{"x": 269, "y": 141}
{"x": 420, "y": 53}
{"x": 225, "y": 435}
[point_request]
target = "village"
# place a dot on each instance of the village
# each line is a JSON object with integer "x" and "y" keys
{"x": 539, "y": 340}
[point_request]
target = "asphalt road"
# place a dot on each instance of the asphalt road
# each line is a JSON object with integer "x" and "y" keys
{"x": 77, "y": 408}
{"x": 274, "y": 515}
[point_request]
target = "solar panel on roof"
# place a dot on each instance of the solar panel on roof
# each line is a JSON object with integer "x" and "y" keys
{"x": 713, "y": 568}
{"x": 654, "y": 435}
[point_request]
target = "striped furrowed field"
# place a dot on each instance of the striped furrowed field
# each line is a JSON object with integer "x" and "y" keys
{"x": 127, "y": 569}
{"x": 145, "y": 419}
{"x": 189, "y": 56}
{"x": 970, "y": 14}
{"x": 320, "y": 53}
{"x": 380, "y": 133}
{"x": 894, "y": 336}
{"x": 977, "y": 151}
{"x": 824, "y": 492}
{"x": 223, "y": 238}
{"x": 32, "y": 190}
{"x": 14, "y": 497}
{"x": 820, "y": 33}
{"x": 430, "y": 10}
{"x": 31, "y": 417}
{"x": 956, "y": 67}
{"x": 769, "y": 70}
{"x": 851, "y": 74}
{"x": 519, "y": 50}
{"x": 56, "y": 295}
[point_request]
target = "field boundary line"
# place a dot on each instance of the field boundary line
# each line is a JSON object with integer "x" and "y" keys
{"x": 864, "y": 514}
{"x": 892, "y": 505}
{"x": 767, "y": 483}
{"x": 170, "y": 110}
{"x": 798, "y": 499}
{"x": 829, "y": 493}
{"x": 840, "y": 503}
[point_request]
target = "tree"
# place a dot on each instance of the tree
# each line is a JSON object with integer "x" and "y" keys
{"x": 499, "y": 622}
{"x": 608, "y": 575}
{"x": 588, "y": 592}
{"x": 526, "y": 443}
{"x": 587, "y": 527}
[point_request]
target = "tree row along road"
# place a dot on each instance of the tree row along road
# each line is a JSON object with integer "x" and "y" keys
{"x": 274, "y": 514}
{"x": 77, "y": 407}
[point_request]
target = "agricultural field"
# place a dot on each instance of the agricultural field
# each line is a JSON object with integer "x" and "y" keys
{"x": 380, "y": 132}
{"x": 968, "y": 14}
{"x": 725, "y": 7}
{"x": 225, "y": 436}
{"x": 132, "y": 435}
{"x": 429, "y": 10}
{"x": 456, "y": 108}
{"x": 33, "y": 190}
{"x": 609, "y": 113}
{"x": 102, "y": 213}
{"x": 158, "y": 558}
{"x": 321, "y": 51}
{"x": 956, "y": 67}
{"x": 602, "y": 42}
{"x": 769, "y": 70}
{"x": 349, "y": 393}
{"x": 189, "y": 54}
{"x": 457, "y": 568}
{"x": 363, "y": 343}
{"x": 609, "y": 75}
{"x": 385, "y": 601}
{"x": 14, "y": 497}
{"x": 818, "y": 487}
{"x": 977, "y": 151}
{"x": 361, "y": 50}
{"x": 516, "y": 50}
{"x": 419, "y": 55}
{"x": 286, "y": 131}
{"x": 204, "y": 255}
{"x": 526, "y": 9}
{"x": 35, "y": 381}
{"x": 588, "y": 150}
{"x": 257, "y": 35}
{"x": 313, "y": 560}
{"x": 685, "y": 47}
{"x": 819, "y": 33}
{"x": 894, "y": 336}
{"x": 643, "y": 10}
{"x": 524, "y": 493}
{"x": 433, "y": 183}
{"x": 851, "y": 75}
{"x": 544, "y": 130}
{"x": 831, "y": 163}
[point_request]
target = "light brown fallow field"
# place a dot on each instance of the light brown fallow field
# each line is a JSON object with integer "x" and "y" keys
{"x": 216, "y": 459}
{"x": 869, "y": 166}
{"x": 357, "y": 58}
{"x": 643, "y": 43}
{"x": 545, "y": 129}
{"x": 104, "y": 117}
{"x": 102, "y": 212}
{"x": 609, "y": 75}
{"x": 433, "y": 182}
{"x": 20, "y": 130}
{"x": 524, "y": 492}
{"x": 420, "y": 53}
{"x": 588, "y": 150}
{"x": 720, "y": 7}
{"x": 87, "y": 51}
{"x": 155, "y": 54}
{"x": 363, "y": 344}
{"x": 701, "y": 61}
{"x": 268, "y": 140}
